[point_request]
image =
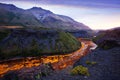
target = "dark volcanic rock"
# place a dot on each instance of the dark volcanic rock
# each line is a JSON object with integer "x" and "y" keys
{"x": 34, "y": 73}
{"x": 108, "y": 39}
{"x": 107, "y": 67}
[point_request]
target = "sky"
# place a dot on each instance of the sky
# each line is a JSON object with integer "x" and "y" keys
{"x": 97, "y": 14}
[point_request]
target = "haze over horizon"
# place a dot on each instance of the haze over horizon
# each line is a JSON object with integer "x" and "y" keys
{"x": 97, "y": 14}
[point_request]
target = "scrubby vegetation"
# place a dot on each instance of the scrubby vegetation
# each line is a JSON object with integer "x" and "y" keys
{"x": 91, "y": 62}
{"x": 108, "y": 39}
{"x": 26, "y": 43}
{"x": 95, "y": 39}
{"x": 80, "y": 70}
{"x": 4, "y": 33}
{"x": 66, "y": 42}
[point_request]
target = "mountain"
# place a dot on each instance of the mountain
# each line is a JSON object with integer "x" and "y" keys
{"x": 82, "y": 33}
{"x": 28, "y": 42}
{"x": 11, "y": 15}
{"x": 36, "y": 18}
{"x": 108, "y": 38}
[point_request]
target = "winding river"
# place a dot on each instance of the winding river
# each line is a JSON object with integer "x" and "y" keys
{"x": 57, "y": 61}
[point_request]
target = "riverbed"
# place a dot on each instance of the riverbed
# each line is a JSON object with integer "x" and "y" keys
{"x": 57, "y": 61}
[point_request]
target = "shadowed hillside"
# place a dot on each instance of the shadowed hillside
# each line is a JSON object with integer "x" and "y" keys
{"x": 27, "y": 42}
{"x": 108, "y": 39}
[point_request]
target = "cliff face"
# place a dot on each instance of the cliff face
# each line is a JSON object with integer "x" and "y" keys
{"x": 37, "y": 43}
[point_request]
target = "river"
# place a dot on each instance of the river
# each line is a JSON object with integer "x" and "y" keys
{"x": 57, "y": 61}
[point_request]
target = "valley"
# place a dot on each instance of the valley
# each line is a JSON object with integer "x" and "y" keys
{"x": 57, "y": 61}
{"x": 38, "y": 43}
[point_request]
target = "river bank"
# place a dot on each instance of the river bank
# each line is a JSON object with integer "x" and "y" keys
{"x": 107, "y": 67}
{"x": 64, "y": 62}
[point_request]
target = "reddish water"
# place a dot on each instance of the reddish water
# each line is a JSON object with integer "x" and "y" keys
{"x": 58, "y": 61}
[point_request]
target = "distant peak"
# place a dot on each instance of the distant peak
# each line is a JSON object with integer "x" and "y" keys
{"x": 7, "y": 5}
{"x": 39, "y": 9}
{"x": 36, "y": 8}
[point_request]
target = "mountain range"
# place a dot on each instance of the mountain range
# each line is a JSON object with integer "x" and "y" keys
{"x": 36, "y": 17}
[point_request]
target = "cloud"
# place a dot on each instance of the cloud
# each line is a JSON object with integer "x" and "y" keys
{"x": 75, "y": 3}
{"x": 82, "y": 3}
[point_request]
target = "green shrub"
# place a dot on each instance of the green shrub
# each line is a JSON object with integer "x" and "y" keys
{"x": 91, "y": 62}
{"x": 4, "y": 34}
{"x": 80, "y": 70}
{"x": 88, "y": 62}
{"x": 106, "y": 47}
{"x": 38, "y": 76}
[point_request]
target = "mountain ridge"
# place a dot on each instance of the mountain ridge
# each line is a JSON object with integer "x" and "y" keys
{"x": 28, "y": 42}
{"x": 108, "y": 38}
{"x": 37, "y": 17}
